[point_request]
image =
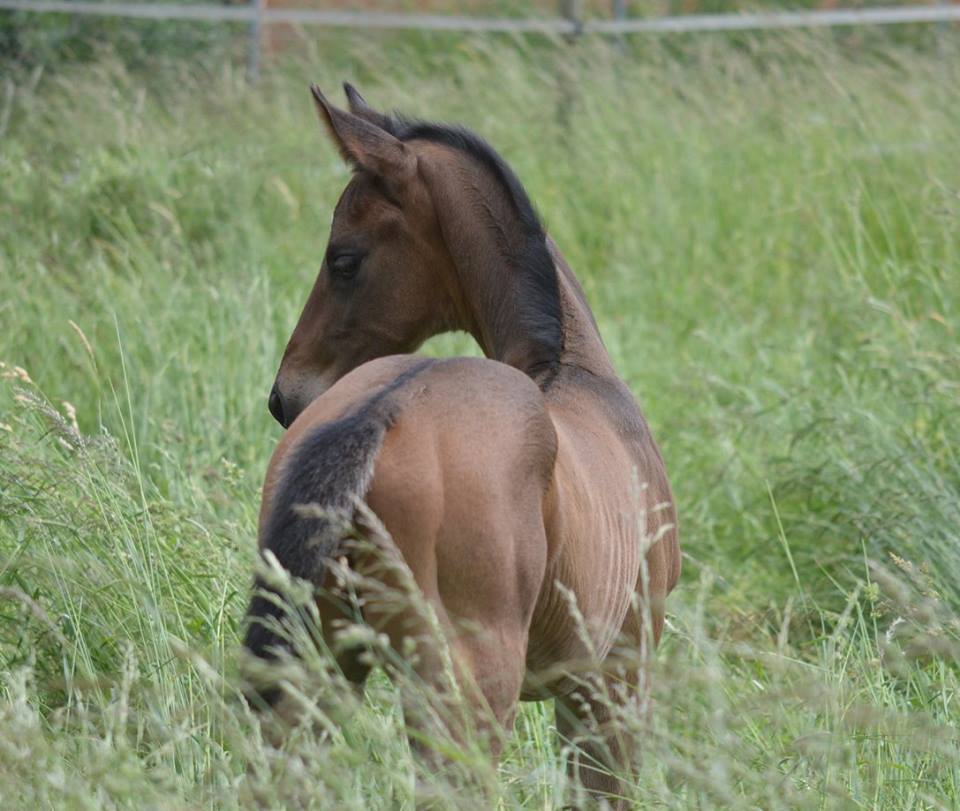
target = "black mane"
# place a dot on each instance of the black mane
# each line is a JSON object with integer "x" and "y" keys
{"x": 540, "y": 311}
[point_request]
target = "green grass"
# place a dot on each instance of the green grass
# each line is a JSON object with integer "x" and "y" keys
{"x": 768, "y": 233}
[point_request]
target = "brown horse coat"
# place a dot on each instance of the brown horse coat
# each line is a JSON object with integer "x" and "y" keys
{"x": 514, "y": 486}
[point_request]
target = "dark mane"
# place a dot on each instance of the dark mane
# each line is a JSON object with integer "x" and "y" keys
{"x": 540, "y": 311}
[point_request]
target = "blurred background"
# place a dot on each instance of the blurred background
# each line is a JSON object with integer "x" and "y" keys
{"x": 30, "y": 37}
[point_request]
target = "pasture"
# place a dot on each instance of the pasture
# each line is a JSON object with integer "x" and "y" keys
{"x": 768, "y": 232}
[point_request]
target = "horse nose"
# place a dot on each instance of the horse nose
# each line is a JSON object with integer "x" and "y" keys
{"x": 275, "y": 404}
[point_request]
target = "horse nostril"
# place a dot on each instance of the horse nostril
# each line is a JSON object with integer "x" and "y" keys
{"x": 275, "y": 403}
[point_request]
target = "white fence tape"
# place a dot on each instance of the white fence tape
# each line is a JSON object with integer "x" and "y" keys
{"x": 554, "y": 25}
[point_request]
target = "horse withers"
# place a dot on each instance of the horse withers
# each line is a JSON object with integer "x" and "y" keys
{"x": 523, "y": 492}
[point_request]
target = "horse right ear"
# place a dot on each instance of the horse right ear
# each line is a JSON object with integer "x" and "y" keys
{"x": 364, "y": 144}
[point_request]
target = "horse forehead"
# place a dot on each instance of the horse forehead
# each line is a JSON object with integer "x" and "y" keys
{"x": 348, "y": 200}
{"x": 359, "y": 199}
{"x": 364, "y": 211}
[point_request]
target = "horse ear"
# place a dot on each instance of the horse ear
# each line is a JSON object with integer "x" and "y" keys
{"x": 363, "y": 144}
{"x": 359, "y": 107}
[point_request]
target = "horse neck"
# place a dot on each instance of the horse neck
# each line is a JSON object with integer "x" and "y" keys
{"x": 583, "y": 347}
{"x": 493, "y": 300}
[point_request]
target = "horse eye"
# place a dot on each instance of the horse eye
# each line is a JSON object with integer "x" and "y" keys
{"x": 344, "y": 265}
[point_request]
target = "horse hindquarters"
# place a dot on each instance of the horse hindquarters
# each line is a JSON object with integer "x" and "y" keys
{"x": 459, "y": 485}
{"x": 453, "y": 459}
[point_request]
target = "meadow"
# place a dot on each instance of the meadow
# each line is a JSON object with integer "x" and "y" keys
{"x": 768, "y": 231}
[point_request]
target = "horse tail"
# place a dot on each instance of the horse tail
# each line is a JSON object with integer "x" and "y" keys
{"x": 314, "y": 507}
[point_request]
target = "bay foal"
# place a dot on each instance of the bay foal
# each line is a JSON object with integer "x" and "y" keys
{"x": 513, "y": 487}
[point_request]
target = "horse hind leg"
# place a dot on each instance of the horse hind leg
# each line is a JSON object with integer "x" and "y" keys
{"x": 601, "y": 718}
{"x": 459, "y": 684}
{"x": 459, "y": 681}
{"x": 460, "y": 691}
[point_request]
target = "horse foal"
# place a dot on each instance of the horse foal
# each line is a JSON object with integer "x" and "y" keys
{"x": 524, "y": 495}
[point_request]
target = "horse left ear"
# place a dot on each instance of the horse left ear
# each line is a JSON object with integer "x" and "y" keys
{"x": 364, "y": 144}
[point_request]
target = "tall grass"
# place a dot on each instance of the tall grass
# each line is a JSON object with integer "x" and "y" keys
{"x": 768, "y": 233}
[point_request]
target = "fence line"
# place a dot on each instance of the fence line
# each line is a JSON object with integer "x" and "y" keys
{"x": 548, "y": 25}
{"x": 779, "y": 19}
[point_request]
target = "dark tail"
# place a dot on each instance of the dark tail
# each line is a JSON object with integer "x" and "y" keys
{"x": 314, "y": 507}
